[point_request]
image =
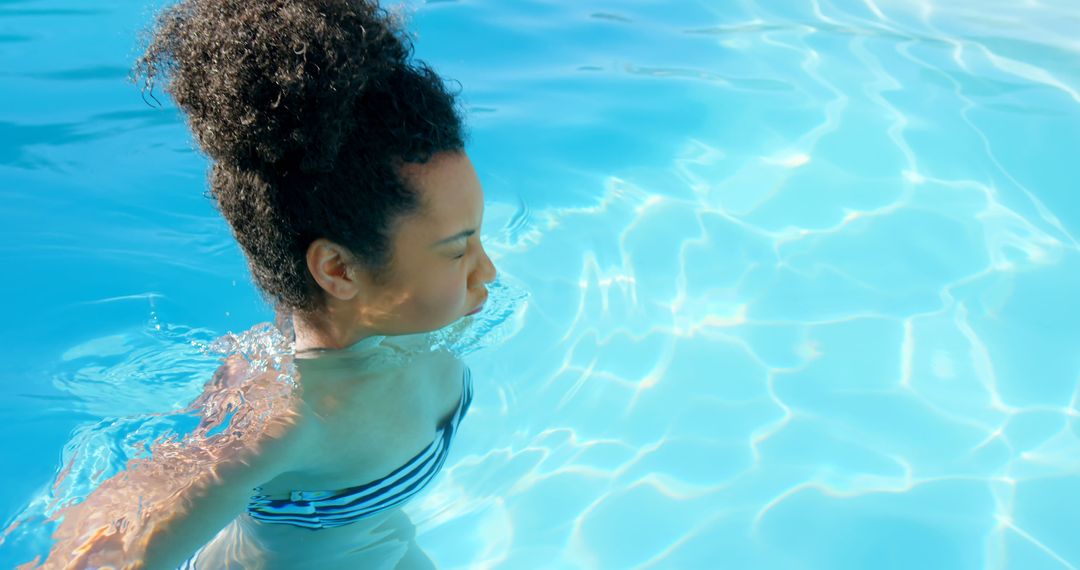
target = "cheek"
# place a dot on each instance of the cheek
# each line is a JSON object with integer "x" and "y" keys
{"x": 443, "y": 294}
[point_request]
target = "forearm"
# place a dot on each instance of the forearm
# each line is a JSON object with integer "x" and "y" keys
{"x": 132, "y": 524}
{"x": 160, "y": 510}
{"x": 155, "y": 514}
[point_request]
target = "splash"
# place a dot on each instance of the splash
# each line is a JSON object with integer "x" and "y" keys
{"x": 126, "y": 380}
{"x": 502, "y": 317}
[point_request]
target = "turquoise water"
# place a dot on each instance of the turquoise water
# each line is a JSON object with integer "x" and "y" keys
{"x": 801, "y": 278}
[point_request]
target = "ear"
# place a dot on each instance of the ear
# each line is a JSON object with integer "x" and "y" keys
{"x": 331, "y": 266}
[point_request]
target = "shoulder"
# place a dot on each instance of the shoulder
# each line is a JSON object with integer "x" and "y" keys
{"x": 438, "y": 374}
{"x": 253, "y": 418}
{"x": 420, "y": 354}
{"x": 440, "y": 362}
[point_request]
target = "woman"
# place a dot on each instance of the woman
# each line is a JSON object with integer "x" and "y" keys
{"x": 339, "y": 165}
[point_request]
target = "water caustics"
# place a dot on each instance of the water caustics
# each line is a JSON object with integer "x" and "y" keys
{"x": 835, "y": 330}
{"x": 828, "y": 321}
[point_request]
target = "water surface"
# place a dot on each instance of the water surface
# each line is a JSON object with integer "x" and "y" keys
{"x": 801, "y": 279}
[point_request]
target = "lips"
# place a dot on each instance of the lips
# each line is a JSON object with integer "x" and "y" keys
{"x": 478, "y": 307}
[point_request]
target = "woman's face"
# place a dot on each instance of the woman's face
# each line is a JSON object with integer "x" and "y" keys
{"x": 438, "y": 269}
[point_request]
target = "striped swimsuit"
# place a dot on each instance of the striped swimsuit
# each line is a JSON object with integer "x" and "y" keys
{"x": 326, "y": 509}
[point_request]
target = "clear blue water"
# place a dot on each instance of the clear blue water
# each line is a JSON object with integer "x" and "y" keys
{"x": 802, "y": 278}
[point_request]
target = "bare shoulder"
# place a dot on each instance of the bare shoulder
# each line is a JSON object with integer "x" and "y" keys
{"x": 422, "y": 356}
{"x": 253, "y": 419}
{"x": 439, "y": 363}
{"x": 438, "y": 373}
{"x": 255, "y": 414}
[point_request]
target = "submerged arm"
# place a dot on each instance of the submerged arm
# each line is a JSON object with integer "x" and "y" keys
{"x": 158, "y": 511}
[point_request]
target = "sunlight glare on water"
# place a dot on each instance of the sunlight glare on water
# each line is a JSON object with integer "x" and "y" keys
{"x": 784, "y": 285}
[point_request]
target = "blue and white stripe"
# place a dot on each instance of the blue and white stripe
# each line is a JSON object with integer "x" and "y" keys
{"x": 327, "y": 509}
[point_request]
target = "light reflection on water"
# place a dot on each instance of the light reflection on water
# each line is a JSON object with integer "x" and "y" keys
{"x": 825, "y": 319}
{"x": 844, "y": 342}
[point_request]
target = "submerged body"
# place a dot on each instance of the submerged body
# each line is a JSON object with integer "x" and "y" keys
{"x": 381, "y": 412}
{"x": 343, "y": 420}
{"x": 386, "y": 541}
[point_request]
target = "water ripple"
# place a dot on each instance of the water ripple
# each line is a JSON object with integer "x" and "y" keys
{"x": 819, "y": 327}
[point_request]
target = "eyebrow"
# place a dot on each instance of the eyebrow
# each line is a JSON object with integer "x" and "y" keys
{"x": 460, "y": 235}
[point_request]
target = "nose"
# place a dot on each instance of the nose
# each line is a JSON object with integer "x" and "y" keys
{"x": 484, "y": 272}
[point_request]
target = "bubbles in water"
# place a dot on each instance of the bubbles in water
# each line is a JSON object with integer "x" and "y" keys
{"x": 502, "y": 317}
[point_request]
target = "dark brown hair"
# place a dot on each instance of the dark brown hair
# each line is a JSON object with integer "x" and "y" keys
{"x": 306, "y": 109}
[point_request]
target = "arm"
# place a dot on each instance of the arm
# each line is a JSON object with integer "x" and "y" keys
{"x": 158, "y": 511}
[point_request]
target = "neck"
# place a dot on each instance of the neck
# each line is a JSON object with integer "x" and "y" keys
{"x": 326, "y": 330}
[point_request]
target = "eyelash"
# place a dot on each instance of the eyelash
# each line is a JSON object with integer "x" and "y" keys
{"x": 463, "y": 253}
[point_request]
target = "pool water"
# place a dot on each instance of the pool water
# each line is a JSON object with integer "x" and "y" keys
{"x": 784, "y": 285}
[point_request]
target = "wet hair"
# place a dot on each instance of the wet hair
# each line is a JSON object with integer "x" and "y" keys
{"x": 306, "y": 109}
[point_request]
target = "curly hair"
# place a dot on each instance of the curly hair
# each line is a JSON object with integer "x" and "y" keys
{"x": 306, "y": 109}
